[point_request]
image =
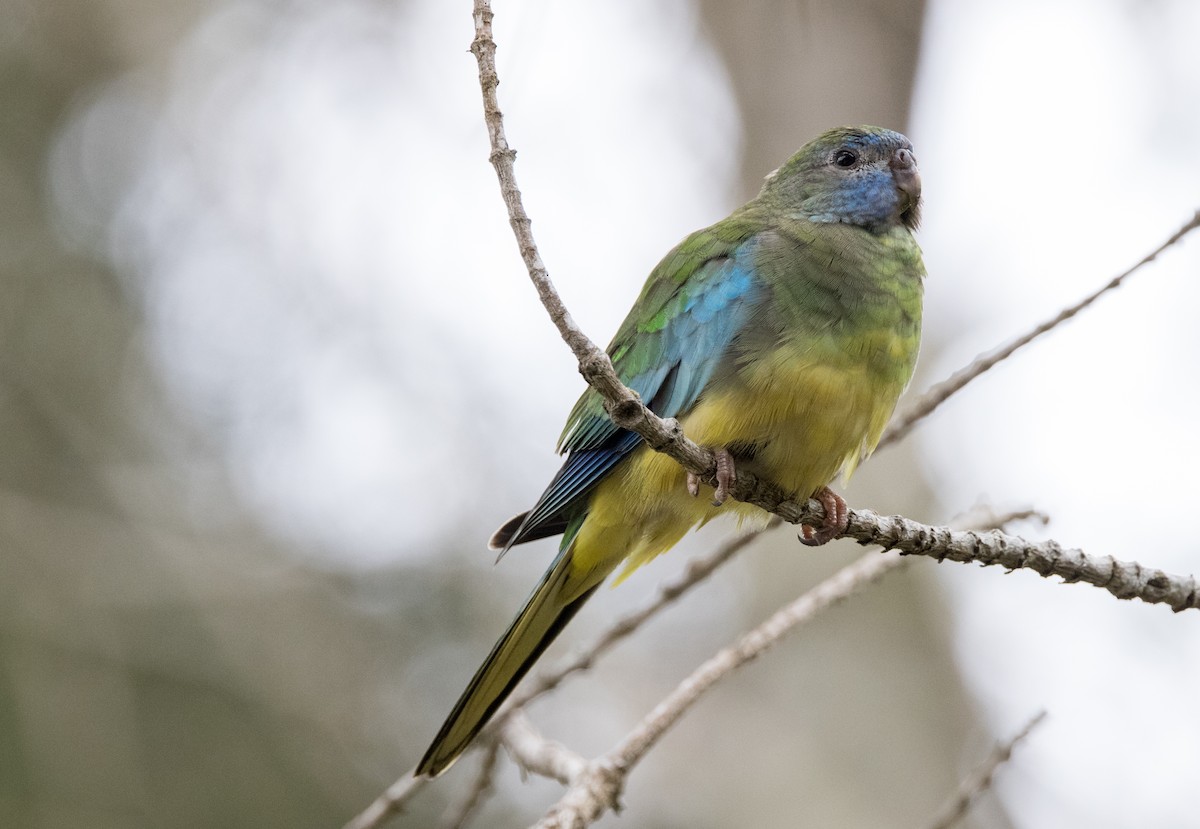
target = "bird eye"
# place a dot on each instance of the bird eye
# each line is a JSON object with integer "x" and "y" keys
{"x": 845, "y": 158}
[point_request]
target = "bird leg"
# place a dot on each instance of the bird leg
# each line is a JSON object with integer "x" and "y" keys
{"x": 726, "y": 478}
{"x": 837, "y": 518}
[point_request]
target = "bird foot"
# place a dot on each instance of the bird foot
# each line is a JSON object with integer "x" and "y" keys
{"x": 726, "y": 478}
{"x": 837, "y": 518}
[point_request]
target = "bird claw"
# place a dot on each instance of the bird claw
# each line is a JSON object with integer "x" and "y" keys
{"x": 726, "y": 478}
{"x": 837, "y": 518}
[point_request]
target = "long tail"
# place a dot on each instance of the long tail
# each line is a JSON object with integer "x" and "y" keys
{"x": 553, "y": 603}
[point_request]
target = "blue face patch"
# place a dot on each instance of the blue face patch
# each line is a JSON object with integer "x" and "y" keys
{"x": 865, "y": 197}
{"x": 821, "y": 184}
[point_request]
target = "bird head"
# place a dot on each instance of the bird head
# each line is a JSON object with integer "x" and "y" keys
{"x": 865, "y": 176}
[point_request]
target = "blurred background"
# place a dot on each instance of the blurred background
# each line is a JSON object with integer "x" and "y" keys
{"x": 271, "y": 372}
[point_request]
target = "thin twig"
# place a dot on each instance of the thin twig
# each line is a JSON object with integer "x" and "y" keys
{"x": 980, "y": 779}
{"x": 984, "y": 517}
{"x": 938, "y": 394}
{"x": 480, "y": 790}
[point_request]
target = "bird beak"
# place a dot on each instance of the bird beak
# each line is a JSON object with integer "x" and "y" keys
{"x": 908, "y": 181}
{"x": 904, "y": 171}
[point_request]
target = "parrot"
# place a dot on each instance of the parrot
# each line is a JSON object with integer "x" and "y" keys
{"x": 780, "y": 337}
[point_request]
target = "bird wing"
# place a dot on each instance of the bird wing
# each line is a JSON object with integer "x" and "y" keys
{"x": 692, "y": 307}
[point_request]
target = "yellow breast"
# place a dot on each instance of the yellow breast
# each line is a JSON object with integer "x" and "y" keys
{"x": 806, "y": 419}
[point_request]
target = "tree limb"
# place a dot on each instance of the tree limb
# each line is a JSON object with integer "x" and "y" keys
{"x": 1124, "y": 579}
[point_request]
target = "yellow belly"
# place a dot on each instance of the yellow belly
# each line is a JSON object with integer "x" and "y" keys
{"x": 808, "y": 420}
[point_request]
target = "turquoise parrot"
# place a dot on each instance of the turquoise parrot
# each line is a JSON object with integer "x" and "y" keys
{"x": 781, "y": 337}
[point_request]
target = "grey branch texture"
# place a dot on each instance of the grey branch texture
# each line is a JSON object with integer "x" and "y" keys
{"x": 596, "y": 784}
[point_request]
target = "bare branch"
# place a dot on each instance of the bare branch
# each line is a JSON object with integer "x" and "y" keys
{"x": 596, "y": 786}
{"x": 596, "y": 790}
{"x": 980, "y": 779}
{"x": 502, "y": 158}
{"x": 984, "y": 517}
{"x": 938, "y": 394}
{"x": 1124, "y": 579}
